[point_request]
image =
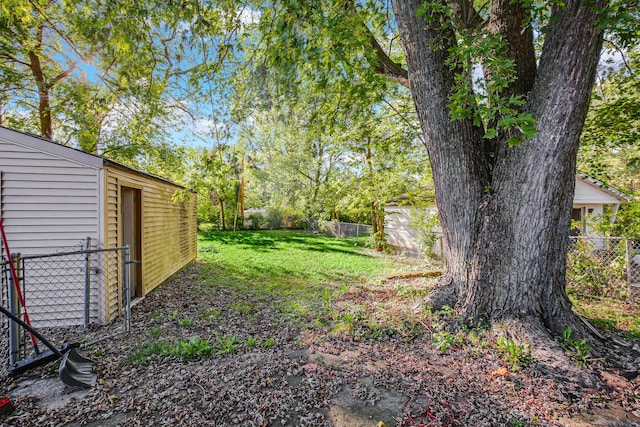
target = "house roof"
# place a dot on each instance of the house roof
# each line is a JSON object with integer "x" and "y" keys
{"x": 599, "y": 192}
{"x": 405, "y": 200}
{"x": 48, "y": 146}
{"x": 591, "y": 191}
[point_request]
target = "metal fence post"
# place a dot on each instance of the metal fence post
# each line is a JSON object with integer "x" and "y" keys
{"x": 14, "y": 328}
{"x": 87, "y": 285}
{"x": 126, "y": 265}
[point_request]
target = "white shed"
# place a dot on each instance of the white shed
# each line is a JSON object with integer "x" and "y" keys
{"x": 54, "y": 197}
{"x": 399, "y": 226}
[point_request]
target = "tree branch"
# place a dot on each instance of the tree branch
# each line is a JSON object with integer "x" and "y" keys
{"x": 11, "y": 58}
{"x": 623, "y": 54}
{"x": 465, "y": 15}
{"x": 61, "y": 76}
{"x": 509, "y": 19}
{"x": 386, "y": 66}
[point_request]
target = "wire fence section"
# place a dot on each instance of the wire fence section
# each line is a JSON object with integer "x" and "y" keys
{"x": 73, "y": 295}
{"x": 604, "y": 266}
{"x": 344, "y": 229}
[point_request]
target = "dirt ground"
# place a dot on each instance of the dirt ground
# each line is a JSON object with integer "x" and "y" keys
{"x": 280, "y": 371}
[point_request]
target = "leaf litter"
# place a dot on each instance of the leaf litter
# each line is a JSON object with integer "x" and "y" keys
{"x": 371, "y": 361}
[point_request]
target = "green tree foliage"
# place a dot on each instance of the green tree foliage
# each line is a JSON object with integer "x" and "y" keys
{"x": 327, "y": 130}
{"x": 36, "y": 63}
{"x": 111, "y": 78}
{"x": 609, "y": 148}
{"x": 294, "y": 165}
{"x": 216, "y": 174}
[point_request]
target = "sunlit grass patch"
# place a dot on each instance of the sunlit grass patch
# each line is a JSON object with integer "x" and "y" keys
{"x": 610, "y": 314}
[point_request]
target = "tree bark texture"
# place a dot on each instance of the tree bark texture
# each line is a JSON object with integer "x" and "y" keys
{"x": 505, "y": 211}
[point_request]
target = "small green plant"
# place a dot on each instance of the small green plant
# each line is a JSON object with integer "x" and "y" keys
{"x": 327, "y": 295}
{"x": 474, "y": 337}
{"x": 517, "y": 423}
{"x": 211, "y": 314}
{"x": 251, "y": 342}
{"x": 146, "y": 349}
{"x": 241, "y": 307}
{"x": 517, "y": 355}
{"x": 269, "y": 342}
{"x": 194, "y": 348}
{"x": 444, "y": 340}
{"x": 155, "y": 332}
{"x": 173, "y": 314}
{"x": 185, "y": 323}
{"x": 406, "y": 292}
{"x": 446, "y": 311}
{"x": 97, "y": 352}
{"x": 227, "y": 345}
{"x": 348, "y": 320}
{"x": 578, "y": 349}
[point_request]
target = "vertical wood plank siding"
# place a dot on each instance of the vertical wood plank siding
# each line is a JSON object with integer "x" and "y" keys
{"x": 112, "y": 291}
{"x": 168, "y": 227}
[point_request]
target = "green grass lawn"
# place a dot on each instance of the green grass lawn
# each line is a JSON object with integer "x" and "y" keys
{"x": 609, "y": 314}
{"x": 291, "y": 256}
{"x": 302, "y": 270}
{"x": 305, "y": 273}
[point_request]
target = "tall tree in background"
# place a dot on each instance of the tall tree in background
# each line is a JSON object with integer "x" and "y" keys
{"x": 294, "y": 159}
{"x": 110, "y": 78}
{"x": 35, "y": 61}
{"x": 216, "y": 173}
{"x": 386, "y": 161}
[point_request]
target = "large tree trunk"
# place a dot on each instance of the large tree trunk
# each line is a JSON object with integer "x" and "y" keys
{"x": 505, "y": 211}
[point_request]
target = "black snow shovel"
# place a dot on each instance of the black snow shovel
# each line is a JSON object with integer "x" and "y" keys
{"x": 75, "y": 370}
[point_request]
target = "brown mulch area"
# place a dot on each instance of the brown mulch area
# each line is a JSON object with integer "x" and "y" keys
{"x": 310, "y": 374}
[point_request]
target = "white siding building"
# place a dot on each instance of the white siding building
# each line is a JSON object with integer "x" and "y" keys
{"x": 589, "y": 200}
{"x": 49, "y": 194}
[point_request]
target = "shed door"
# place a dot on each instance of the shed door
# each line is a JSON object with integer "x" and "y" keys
{"x": 131, "y": 210}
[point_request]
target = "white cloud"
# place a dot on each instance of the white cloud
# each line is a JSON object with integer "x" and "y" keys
{"x": 249, "y": 16}
{"x": 208, "y": 126}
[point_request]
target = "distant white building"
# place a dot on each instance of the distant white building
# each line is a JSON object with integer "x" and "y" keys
{"x": 590, "y": 197}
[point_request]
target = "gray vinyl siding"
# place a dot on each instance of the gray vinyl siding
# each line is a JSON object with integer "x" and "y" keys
{"x": 48, "y": 203}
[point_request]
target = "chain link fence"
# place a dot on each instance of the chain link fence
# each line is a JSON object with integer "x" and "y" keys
{"x": 344, "y": 229}
{"x": 70, "y": 296}
{"x": 604, "y": 266}
{"x": 596, "y": 266}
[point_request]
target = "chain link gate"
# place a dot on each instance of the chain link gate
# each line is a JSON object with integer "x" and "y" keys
{"x": 71, "y": 296}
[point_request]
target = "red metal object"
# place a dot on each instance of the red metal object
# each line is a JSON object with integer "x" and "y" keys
{"x": 427, "y": 411}
{"x": 5, "y": 406}
{"x": 16, "y": 285}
